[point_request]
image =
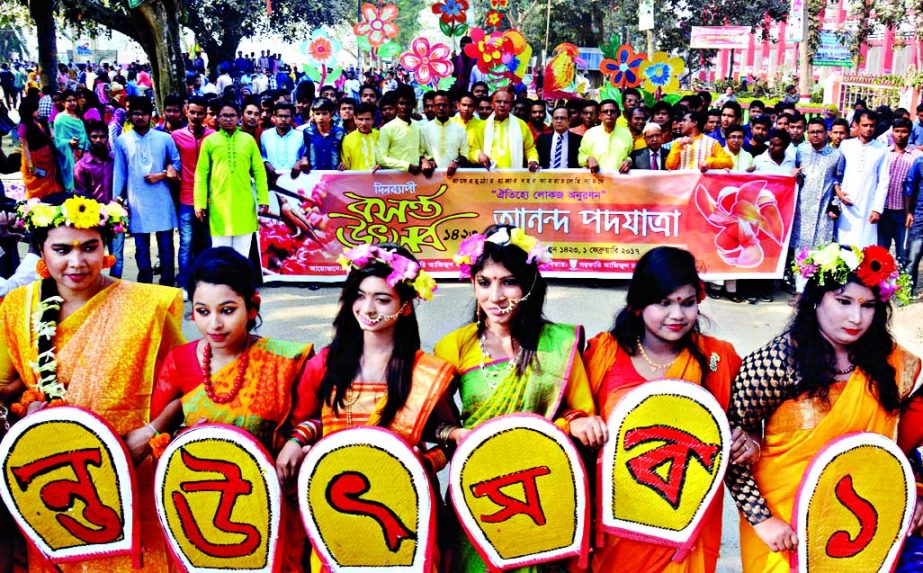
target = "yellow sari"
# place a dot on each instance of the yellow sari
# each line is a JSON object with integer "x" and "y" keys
{"x": 800, "y": 428}
{"x": 107, "y": 353}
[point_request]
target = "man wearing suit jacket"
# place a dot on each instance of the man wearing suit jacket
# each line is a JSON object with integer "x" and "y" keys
{"x": 558, "y": 149}
{"x": 641, "y": 158}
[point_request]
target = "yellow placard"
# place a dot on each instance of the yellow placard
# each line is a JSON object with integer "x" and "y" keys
{"x": 519, "y": 489}
{"x": 366, "y": 502}
{"x": 854, "y": 506}
{"x": 68, "y": 483}
{"x": 218, "y": 499}
{"x": 664, "y": 461}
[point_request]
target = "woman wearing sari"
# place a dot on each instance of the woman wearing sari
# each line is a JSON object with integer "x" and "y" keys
{"x": 101, "y": 344}
{"x": 835, "y": 370}
{"x": 373, "y": 373}
{"x": 498, "y": 353}
{"x": 70, "y": 139}
{"x": 657, "y": 335}
{"x": 39, "y": 168}
{"x": 231, "y": 376}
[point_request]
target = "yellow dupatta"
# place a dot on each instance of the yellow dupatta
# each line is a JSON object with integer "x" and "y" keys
{"x": 800, "y": 428}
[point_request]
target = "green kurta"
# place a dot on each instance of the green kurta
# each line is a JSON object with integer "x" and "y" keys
{"x": 227, "y": 167}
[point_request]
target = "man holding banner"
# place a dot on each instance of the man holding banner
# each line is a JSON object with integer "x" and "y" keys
{"x": 506, "y": 142}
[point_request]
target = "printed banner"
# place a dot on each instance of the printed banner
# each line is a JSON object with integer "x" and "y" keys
{"x": 219, "y": 501}
{"x": 366, "y": 502}
{"x": 70, "y": 485}
{"x": 853, "y": 507}
{"x": 520, "y": 491}
{"x": 737, "y": 225}
{"x": 719, "y": 37}
{"x": 668, "y": 450}
{"x": 794, "y": 29}
{"x": 832, "y": 50}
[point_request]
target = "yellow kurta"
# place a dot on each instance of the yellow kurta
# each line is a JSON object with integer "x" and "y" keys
{"x": 108, "y": 352}
{"x": 358, "y": 150}
{"x": 499, "y": 152}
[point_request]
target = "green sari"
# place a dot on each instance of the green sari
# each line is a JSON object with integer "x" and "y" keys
{"x": 65, "y": 129}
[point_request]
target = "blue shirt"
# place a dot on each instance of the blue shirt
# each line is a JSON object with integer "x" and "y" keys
{"x": 719, "y": 136}
{"x": 912, "y": 185}
{"x": 283, "y": 152}
{"x": 323, "y": 150}
{"x": 916, "y": 135}
{"x": 150, "y": 206}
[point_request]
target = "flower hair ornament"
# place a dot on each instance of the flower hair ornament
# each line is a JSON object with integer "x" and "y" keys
{"x": 402, "y": 269}
{"x": 874, "y": 266}
{"x": 77, "y": 212}
{"x": 473, "y": 247}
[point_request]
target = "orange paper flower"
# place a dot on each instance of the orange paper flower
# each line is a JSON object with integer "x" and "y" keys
{"x": 159, "y": 444}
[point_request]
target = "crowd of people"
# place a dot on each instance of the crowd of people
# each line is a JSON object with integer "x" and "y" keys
{"x": 205, "y": 165}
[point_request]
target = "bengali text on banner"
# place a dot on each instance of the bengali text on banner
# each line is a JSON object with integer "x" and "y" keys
{"x": 737, "y": 225}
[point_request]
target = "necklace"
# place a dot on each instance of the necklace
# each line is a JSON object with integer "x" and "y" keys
{"x": 653, "y": 365}
{"x": 485, "y": 359}
{"x": 349, "y": 401}
{"x": 238, "y": 380}
{"x": 846, "y": 370}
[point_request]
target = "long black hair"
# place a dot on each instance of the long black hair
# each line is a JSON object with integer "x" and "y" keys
{"x": 225, "y": 266}
{"x": 526, "y": 324}
{"x": 49, "y": 287}
{"x": 345, "y": 352}
{"x": 814, "y": 358}
{"x": 658, "y": 273}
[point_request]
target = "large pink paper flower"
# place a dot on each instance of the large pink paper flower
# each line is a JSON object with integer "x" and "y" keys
{"x": 745, "y": 215}
{"x": 378, "y": 26}
{"x": 427, "y": 62}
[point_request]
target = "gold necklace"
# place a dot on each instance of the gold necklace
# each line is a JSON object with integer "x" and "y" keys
{"x": 349, "y": 401}
{"x": 486, "y": 360}
{"x": 653, "y": 365}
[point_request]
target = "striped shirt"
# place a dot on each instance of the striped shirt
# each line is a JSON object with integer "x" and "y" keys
{"x": 901, "y": 162}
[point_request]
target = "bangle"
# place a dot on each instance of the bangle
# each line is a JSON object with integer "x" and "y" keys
{"x": 443, "y": 433}
{"x": 153, "y": 429}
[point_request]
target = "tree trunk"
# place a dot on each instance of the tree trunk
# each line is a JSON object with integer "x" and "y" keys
{"x": 42, "y": 12}
{"x": 223, "y": 51}
{"x": 163, "y": 48}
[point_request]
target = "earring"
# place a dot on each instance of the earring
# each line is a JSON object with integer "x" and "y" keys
{"x": 41, "y": 269}
{"x": 108, "y": 261}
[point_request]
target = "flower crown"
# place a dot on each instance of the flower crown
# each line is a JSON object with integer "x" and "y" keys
{"x": 471, "y": 248}
{"x": 873, "y": 265}
{"x": 77, "y": 212}
{"x": 402, "y": 268}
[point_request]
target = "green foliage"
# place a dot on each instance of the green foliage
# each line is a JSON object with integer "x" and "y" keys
{"x": 389, "y": 50}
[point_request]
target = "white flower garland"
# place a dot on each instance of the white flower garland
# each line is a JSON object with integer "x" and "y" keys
{"x": 47, "y": 373}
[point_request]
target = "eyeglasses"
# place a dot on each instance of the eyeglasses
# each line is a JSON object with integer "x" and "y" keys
{"x": 608, "y": 111}
{"x": 228, "y": 116}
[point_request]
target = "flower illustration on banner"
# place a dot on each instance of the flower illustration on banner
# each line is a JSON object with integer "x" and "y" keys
{"x": 499, "y": 4}
{"x": 662, "y": 72}
{"x": 321, "y": 48}
{"x": 428, "y": 63}
{"x": 487, "y": 50}
{"x": 377, "y": 25}
{"x": 623, "y": 71}
{"x": 493, "y": 19}
{"x": 744, "y": 215}
{"x": 451, "y": 11}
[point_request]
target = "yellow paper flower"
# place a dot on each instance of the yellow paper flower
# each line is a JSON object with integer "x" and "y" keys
{"x": 662, "y": 71}
{"x": 42, "y": 215}
{"x": 827, "y": 257}
{"x": 519, "y": 238}
{"x": 81, "y": 212}
{"x": 344, "y": 262}
{"x": 114, "y": 210}
{"x": 424, "y": 285}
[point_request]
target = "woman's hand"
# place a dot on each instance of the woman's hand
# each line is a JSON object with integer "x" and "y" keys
{"x": 777, "y": 534}
{"x": 138, "y": 442}
{"x": 35, "y": 407}
{"x": 459, "y": 434}
{"x": 591, "y": 431}
{"x": 289, "y": 460}
{"x": 745, "y": 448}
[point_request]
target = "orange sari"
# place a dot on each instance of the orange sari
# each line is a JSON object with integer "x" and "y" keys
{"x": 108, "y": 352}
{"x": 800, "y": 428}
{"x": 612, "y": 375}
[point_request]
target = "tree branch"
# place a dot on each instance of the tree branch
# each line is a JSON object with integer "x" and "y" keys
{"x": 118, "y": 20}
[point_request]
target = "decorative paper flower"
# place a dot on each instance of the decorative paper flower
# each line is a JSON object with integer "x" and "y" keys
{"x": 403, "y": 269}
{"x": 159, "y": 444}
{"x": 876, "y": 267}
{"x": 451, "y": 11}
{"x": 519, "y": 238}
{"x": 427, "y": 62}
{"x": 493, "y": 19}
{"x": 745, "y": 215}
{"x": 468, "y": 252}
{"x": 377, "y": 25}
{"x": 663, "y": 72}
{"x": 499, "y": 4}
{"x": 321, "y": 49}
{"x": 487, "y": 50}
{"x": 425, "y": 285}
{"x": 42, "y": 215}
{"x": 81, "y": 213}
{"x": 624, "y": 70}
